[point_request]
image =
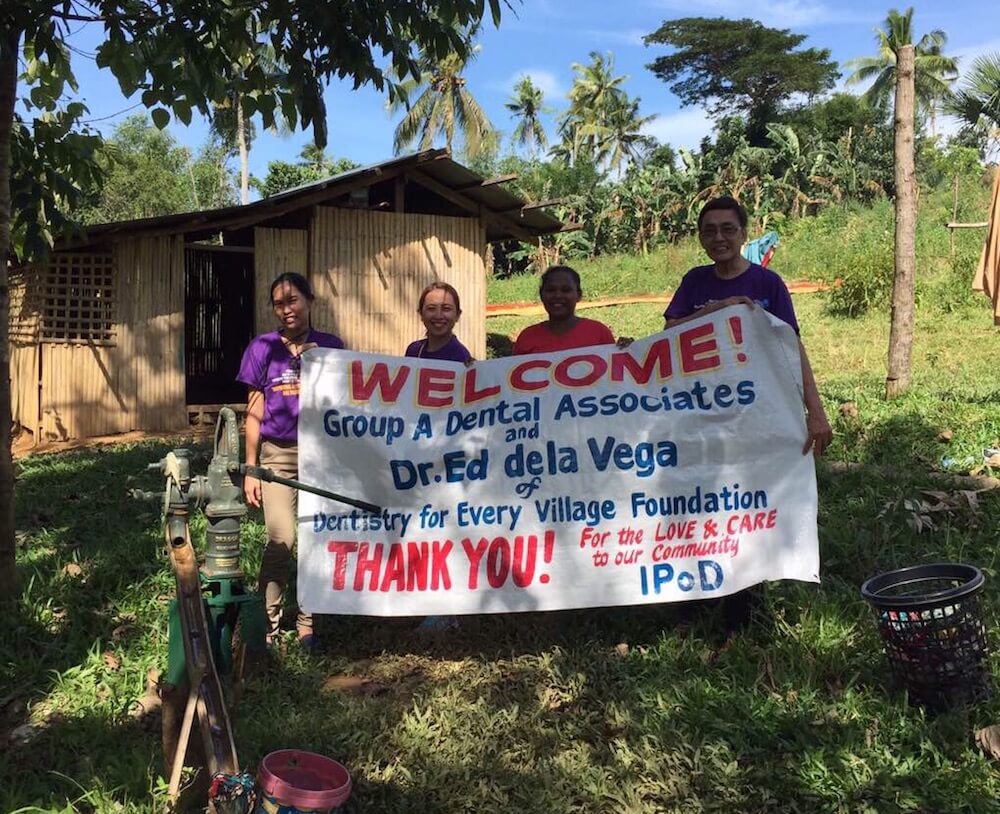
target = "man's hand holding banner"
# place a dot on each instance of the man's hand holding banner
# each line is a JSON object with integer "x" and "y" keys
{"x": 666, "y": 471}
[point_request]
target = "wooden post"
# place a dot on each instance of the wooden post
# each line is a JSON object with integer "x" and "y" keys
{"x": 954, "y": 216}
{"x": 9, "y": 44}
{"x": 903, "y": 305}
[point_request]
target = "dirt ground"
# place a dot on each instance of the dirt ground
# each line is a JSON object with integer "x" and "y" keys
{"x": 23, "y": 443}
{"x": 509, "y": 309}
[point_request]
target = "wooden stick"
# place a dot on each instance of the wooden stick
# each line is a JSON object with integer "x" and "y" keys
{"x": 182, "y": 741}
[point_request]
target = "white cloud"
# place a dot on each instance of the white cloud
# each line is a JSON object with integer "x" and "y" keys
{"x": 968, "y": 54}
{"x": 545, "y": 80}
{"x": 631, "y": 36}
{"x": 685, "y": 128}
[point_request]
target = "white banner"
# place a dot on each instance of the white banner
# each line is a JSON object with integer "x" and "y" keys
{"x": 667, "y": 471}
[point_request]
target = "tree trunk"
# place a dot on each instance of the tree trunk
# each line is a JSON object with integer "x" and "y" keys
{"x": 903, "y": 306}
{"x": 8, "y": 91}
{"x": 241, "y": 140}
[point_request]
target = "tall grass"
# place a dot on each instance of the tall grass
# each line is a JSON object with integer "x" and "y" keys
{"x": 846, "y": 242}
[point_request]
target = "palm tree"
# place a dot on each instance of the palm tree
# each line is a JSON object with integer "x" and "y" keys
{"x": 934, "y": 72}
{"x": 231, "y": 120}
{"x": 525, "y": 106}
{"x": 445, "y": 107}
{"x": 617, "y": 133}
{"x": 595, "y": 93}
{"x": 977, "y": 101}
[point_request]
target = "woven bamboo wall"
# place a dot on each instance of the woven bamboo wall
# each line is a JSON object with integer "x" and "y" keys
{"x": 368, "y": 269}
{"x": 152, "y": 336}
{"x": 275, "y": 252}
{"x": 137, "y": 381}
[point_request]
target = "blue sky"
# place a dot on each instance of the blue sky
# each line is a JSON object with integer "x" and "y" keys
{"x": 543, "y": 38}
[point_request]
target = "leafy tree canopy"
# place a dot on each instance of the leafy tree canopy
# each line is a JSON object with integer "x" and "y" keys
{"x": 182, "y": 57}
{"x": 739, "y": 66}
{"x": 313, "y": 165}
{"x": 831, "y": 118}
{"x": 146, "y": 173}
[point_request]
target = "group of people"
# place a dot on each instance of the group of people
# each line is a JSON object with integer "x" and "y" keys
{"x": 271, "y": 364}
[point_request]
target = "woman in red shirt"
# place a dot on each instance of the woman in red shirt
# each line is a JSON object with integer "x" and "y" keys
{"x": 560, "y": 291}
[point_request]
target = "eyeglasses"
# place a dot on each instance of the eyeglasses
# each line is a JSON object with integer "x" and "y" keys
{"x": 726, "y": 230}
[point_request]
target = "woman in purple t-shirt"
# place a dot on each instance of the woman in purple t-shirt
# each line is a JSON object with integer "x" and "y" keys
{"x": 270, "y": 368}
{"x": 439, "y": 308}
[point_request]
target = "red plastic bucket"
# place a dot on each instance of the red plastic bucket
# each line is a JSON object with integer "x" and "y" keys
{"x": 295, "y": 782}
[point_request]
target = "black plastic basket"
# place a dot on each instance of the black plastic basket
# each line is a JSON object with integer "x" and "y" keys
{"x": 935, "y": 638}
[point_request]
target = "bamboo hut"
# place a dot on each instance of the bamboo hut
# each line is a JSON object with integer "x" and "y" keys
{"x": 141, "y": 325}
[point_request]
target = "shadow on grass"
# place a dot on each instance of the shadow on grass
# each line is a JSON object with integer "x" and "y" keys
{"x": 608, "y": 709}
{"x": 90, "y": 623}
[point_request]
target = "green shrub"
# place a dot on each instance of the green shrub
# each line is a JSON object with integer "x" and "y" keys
{"x": 866, "y": 282}
{"x": 952, "y": 290}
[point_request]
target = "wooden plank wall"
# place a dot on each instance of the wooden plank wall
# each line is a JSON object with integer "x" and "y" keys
{"x": 275, "y": 252}
{"x": 137, "y": 383}
{"x": 368, "y": 269}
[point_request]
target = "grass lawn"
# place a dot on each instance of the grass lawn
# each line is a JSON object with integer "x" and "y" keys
{"x": 620, "y": 710}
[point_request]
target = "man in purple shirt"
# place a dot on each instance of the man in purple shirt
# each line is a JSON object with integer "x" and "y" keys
{"x": 731, "y": 280}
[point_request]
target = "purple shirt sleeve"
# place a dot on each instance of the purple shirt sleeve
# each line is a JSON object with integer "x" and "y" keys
{"x": 680, "y": 304}
{"x": 253, "y": 366}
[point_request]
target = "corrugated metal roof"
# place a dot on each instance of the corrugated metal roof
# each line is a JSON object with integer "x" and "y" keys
{"x": 504, "y": 212}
